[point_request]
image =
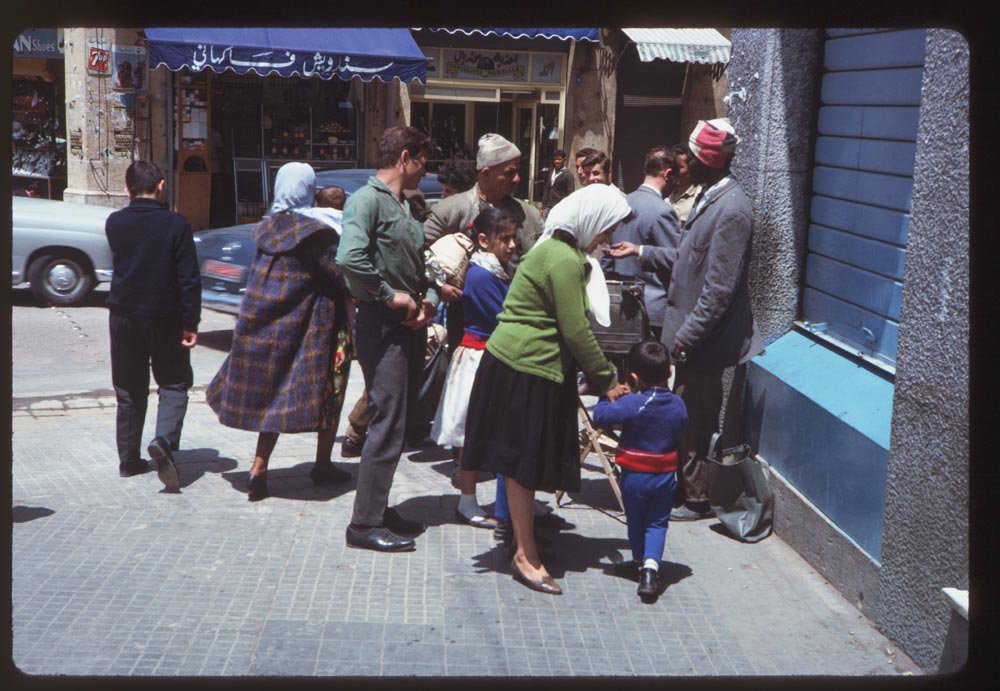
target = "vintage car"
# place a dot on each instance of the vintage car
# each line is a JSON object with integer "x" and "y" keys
{"x": 59, "y": 248}
{"x": 225, "y": 254}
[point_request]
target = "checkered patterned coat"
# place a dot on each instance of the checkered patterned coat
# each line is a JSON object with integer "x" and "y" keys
{"x": 278, "y": 376}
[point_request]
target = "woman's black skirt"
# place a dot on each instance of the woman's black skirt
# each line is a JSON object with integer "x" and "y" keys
{"x": 524, "y": 427}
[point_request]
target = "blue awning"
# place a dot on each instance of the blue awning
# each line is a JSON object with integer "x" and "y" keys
{"x": 383, "y": 54}
{"x": 592, "y": 35}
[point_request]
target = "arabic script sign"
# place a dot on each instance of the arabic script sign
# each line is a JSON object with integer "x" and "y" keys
{"x": 487, "y": 65}
{"x": 285, "y": 62}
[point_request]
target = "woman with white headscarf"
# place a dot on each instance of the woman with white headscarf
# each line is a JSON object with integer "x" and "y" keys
{"x": 522, "y": 420}
{"x": 289, "y": 362}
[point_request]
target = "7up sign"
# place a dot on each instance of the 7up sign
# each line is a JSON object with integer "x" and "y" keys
{"x": 98, "y": 59}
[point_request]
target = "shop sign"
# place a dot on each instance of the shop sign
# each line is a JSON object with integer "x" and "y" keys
{"x": 547, "y": 68}
{"x": 98, "y": 58}
{"x": 129, "y": 68}
{"x": 39, "y": 43}
{"x": 485, "y": 65}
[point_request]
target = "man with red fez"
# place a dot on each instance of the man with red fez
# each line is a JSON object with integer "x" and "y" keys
{"x": 708, "y": 325}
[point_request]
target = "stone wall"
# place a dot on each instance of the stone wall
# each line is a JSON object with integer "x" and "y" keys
{"x": 591, "y": 96}
{"x": 926, "y": 538}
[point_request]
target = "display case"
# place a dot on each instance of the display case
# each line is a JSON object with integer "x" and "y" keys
{"x": 38, "y": 136}
{"x": 309, "y": 120}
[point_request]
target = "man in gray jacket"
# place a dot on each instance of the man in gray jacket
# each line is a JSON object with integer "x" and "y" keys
{"x": 653, "y": 222}
{"x": 708, "y": 325}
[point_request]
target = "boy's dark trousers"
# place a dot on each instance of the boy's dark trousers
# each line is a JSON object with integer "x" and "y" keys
{"x": 138, "y": 343}
{"x": 648, "y": 499}
{"x": 391, "y": 357}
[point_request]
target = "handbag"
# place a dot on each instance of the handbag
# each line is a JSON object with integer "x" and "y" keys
{"x": 740, "y": 494}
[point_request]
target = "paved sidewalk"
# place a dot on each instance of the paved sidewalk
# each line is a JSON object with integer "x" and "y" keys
{"x": 115, "y": 576}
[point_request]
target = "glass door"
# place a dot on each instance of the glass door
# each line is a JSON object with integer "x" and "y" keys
{"x": 526, "y": 139}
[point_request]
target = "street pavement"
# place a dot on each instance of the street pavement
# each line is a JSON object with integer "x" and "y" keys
{"x": 116, "y": 576}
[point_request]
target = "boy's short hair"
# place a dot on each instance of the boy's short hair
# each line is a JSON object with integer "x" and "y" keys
{"x": 559, "y": 152}
{"x": 596, "y": 157}
{"x": 396, "y": 140}
{"x": 456, "y": 174}
{"x": 650, "y": 361}
{"x": 584, "y": 152}
{"x": 142, "y": 177}
{"x": 331, "y": 196}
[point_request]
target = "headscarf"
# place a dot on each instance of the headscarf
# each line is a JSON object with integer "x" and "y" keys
{"x": 294, "y": 188}
{"x": 585, "y": 214}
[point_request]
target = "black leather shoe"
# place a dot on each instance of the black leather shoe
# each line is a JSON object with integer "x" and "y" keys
{"x": 166, "y": 469}
{"x": 328, "y": 474}
{"x": 399, "y": 525}
{"x": 477, "y": 521}
{"x": 130, "y": 468}
{"x": 257, "y": 487}
{"x": 378, "y": 538}
{"x": 545, "y": 584}
{"x": 649, "y": 584}
{"x": 350, "y": 448}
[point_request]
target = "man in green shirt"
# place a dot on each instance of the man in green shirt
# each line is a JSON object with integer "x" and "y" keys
{"x": 381, "y": 254}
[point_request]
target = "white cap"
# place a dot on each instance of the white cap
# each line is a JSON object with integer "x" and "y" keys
{"x": 494, "y": 150}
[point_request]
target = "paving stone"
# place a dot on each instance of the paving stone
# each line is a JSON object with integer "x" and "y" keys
{"x": 114, "y": 576}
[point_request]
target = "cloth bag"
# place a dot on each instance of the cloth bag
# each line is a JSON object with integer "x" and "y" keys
{"x": 447, "y": 259}
{"x": 740, "y": 494}
{"x": 432, "y": 379}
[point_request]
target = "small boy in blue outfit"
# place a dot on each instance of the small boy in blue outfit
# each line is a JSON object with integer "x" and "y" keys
{"x": 651, "y": 419}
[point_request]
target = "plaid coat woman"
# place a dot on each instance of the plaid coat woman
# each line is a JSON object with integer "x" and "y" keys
{"x": 279, "y": 375}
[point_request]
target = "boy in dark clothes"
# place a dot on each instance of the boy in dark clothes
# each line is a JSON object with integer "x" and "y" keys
{"x": 652, "y": 420}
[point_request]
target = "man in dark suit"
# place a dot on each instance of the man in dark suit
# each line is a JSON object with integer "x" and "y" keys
{"x": 558, "y": 182}
{"x": 155, "y": 307}
{"x": 708, "y": 324}
{"x": 653, "y": 222}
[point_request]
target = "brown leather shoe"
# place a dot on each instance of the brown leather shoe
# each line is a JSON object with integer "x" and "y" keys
{"x": 546, "y": 584}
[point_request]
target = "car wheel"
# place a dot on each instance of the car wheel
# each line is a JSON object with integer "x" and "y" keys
{"x": 59, "y": 280}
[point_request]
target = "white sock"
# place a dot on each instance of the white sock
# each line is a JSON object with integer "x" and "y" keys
{"x": 469, "y": 507}
{"x": 651, "y": 564}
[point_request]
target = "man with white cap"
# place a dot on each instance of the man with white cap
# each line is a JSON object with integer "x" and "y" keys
{"x": 708, "y": 325}
{"x": 497, "y": 164}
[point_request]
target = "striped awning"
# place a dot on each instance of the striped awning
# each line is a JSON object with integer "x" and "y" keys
{"x": 706, "y": 46}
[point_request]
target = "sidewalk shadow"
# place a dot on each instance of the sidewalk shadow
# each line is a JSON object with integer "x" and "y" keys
{"x": 23, "y": 514}
{"x": 432, "y": 509}
{"x": 428, "y": 453}
{"x": 295, "y": 483}
{"x": 217, "y": 340}
{"x": 597, "y": 494}
{"x": 193, "y": 464}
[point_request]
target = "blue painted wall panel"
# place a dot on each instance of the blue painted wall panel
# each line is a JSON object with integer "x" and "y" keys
{"x": 870, "y": 333}
{"x": 877, "y": 156}
{"x": 873, "y": 51}
{"x": 887, "y": 191}
{"x": 892, "y": 87}
{"x": 885, "y": 122}
{"x": 878, "y": 257}
{"x": 823, "y": 423}
{"x": 870, "y": 221}
{"x": 875, "y": 293}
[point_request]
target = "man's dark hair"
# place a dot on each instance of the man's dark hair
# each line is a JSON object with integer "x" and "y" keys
{"x": 456, "y": 174}
{"x": 331, "y": 196}
{"x": 650, "y": 361}
{"x": 680, "y": 149}
{"x": 559, "y": 152}
{"x": 596, "y": 157}
{"x": 142, "y": 177}
{"x": 584, "y": 152}
{"x": 396, "y": 140}
{"x": 659, "y": 159}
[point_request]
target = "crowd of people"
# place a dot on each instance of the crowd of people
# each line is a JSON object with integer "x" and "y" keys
{"x": 515, "y": 289}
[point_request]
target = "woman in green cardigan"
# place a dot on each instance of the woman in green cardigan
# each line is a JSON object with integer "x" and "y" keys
{"x": 522, "y": 419}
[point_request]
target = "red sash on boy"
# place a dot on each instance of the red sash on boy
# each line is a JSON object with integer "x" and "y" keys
{"x": 647, "y": 461}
